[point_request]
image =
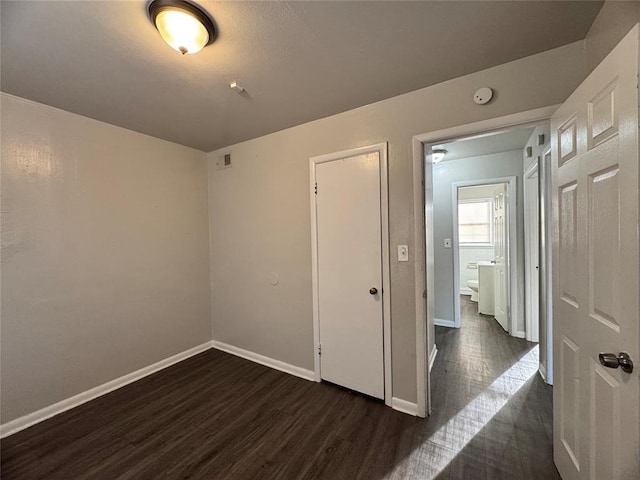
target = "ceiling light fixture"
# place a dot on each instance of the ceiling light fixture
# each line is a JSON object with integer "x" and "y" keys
{"x": 185, "y": 26}
{"x": 437, "y": 155}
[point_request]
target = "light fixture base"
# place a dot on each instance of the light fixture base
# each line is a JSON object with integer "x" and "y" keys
{"x": 437, "y": 155}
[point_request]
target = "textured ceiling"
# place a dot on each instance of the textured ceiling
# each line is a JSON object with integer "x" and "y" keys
{"x": 298, "y": 61}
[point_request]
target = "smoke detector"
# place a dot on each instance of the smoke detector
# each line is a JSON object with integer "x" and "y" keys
{"x": 483, "y": 96}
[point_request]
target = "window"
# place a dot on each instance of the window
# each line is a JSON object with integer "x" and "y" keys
{"x": 475, "y": 226}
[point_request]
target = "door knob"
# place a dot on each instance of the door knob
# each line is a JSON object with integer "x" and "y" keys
{"x": 610, "y": 360}
{"x": 373, "y": 290}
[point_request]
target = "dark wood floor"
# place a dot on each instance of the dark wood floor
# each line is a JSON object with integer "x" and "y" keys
{"x": 216, "y": 416}
{"x": 484, "y": 374}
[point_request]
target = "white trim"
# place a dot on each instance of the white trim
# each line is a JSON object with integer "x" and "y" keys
{"x": 543, "y": 373}
{"x": 432, "y": 357}
{"x": 518, "y": 334}
{"x": 403, "y": 406}
{"x": 465, "y": 291}
{"x": 441, "y": 322}
{"x": 423, "y": 268}
{"x": 38, "y": 416}
{"x": 423, "y": 243}
{"x": 530, "y": 272}
{"x": 381, "y": 148}
{"x": 512, "y": 202}
{"x": 491, "y": 125}
{"x": 264, "y": 360}
{"x": 545, "y": 261}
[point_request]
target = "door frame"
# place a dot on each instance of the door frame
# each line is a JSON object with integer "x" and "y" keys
{"x": 545, "y": 234}
{"x": 511, "y": 191}
{"x": 381, "y": 148}
{"x": 531, "y": 274}
{"x": 423, "y": 223}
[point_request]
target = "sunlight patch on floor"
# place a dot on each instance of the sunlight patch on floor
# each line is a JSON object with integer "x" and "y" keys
{"x": 444, "y": 445}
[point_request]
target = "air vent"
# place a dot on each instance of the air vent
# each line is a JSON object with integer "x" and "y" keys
{"x": 223, "y": 162}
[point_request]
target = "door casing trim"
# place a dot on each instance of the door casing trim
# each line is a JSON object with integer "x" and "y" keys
{"x": 381, "y": 148}
{"x": 423, "y": 243}
{"x": 530, "y": 272}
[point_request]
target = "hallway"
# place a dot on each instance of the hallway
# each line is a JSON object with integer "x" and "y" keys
{"x": 516, "y": 442}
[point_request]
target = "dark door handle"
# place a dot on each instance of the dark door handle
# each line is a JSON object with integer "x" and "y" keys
{"x": 373, "y": 290}
{"x": 622, "y": 360}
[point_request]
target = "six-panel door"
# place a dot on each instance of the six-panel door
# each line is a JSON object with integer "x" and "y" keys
{"x": 595, "y": 271}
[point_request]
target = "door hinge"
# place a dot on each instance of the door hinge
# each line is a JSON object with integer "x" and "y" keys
{"x": 316, "y": 188}
{"x": 319, "y": 349}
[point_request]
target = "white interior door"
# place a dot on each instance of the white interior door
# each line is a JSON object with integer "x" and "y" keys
{"x": 595, "y": 271}
{"x": 501, "y": 236}
{"x": 532, "y": 253}
{"x": 349, "y": 272}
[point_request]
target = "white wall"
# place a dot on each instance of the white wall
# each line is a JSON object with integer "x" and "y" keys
{"x": 445, "y": 173}
{"x": 104, "y": 253}
{"x": 259, "y": 208}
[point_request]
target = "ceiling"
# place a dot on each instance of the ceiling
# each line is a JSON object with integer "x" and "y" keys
{"x": 496, "y": 142}
{"x": 298, "y": 61}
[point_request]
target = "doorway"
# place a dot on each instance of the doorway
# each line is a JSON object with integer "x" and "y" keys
{"x": 484, "y": 249}
{"x": 350, "y": 262}
{"x": 594, "y": 185}
{"x": 426, "y": 251}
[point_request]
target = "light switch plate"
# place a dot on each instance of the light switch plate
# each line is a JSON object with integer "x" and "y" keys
{"x": 447, "y": 243}
{"x": 403, "y": 253}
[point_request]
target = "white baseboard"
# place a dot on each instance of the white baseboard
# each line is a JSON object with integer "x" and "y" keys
{"x": 38, "y": 416}
{"x": 543, "y": 372}
{"x": 267, "y": 361}
{"x": 403, "y": 406}
{"x": 519, "y": 334}
{"x": 466, "y": 291}
{"x": 432, "y": 357}
{"x": 440, "y": 322}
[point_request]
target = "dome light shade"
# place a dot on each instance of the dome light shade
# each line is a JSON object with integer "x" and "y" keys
{"x": 183, "y": 25}
{"x": 438, "y": 154}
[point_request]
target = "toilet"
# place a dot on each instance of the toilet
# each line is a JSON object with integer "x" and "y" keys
{"x": 473, "y": 285}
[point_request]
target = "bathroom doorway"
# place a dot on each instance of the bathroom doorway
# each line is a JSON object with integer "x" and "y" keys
{"x": 485, "y": 249}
